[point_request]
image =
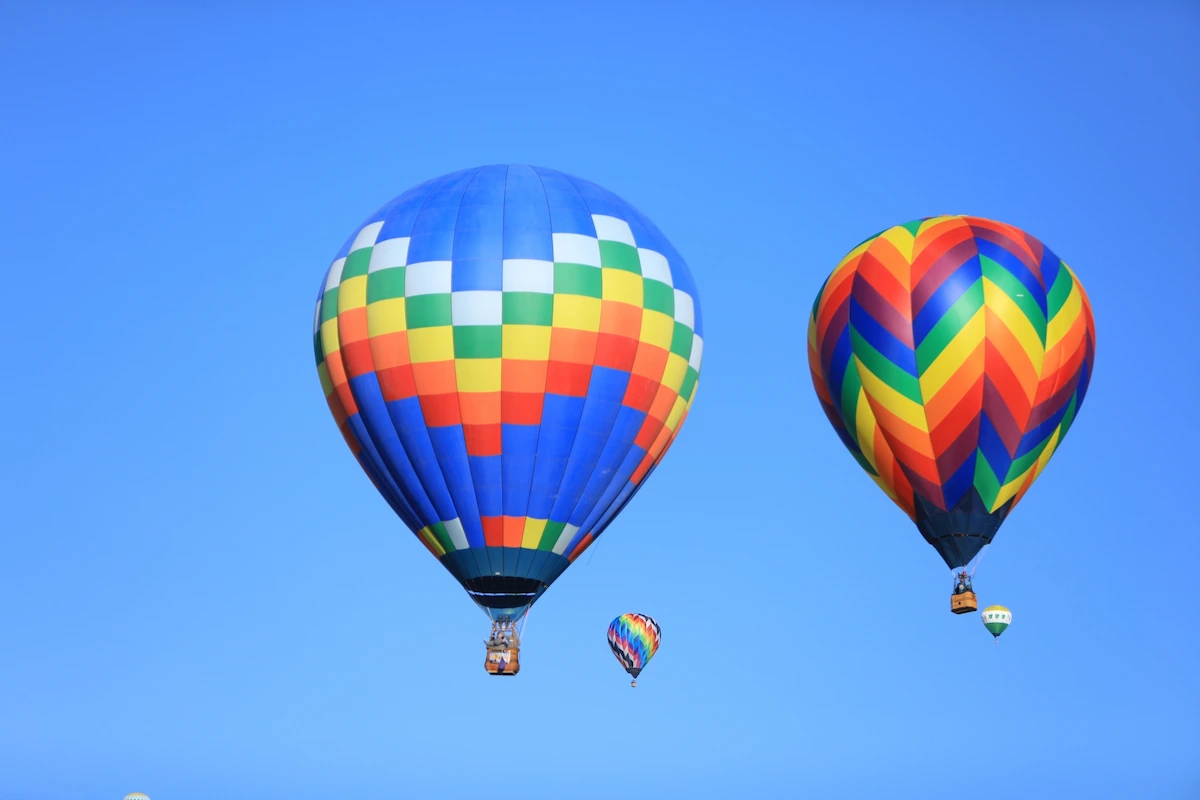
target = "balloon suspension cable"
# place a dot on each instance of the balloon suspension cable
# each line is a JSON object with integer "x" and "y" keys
{"x": 979, "y": 560}
{"x": 595, "y": 544}
{"x": 524, "y": 623}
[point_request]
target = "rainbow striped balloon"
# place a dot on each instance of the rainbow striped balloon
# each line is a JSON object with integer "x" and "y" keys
{"x": 634, "y": 639}
{"x": 952, "y": 354}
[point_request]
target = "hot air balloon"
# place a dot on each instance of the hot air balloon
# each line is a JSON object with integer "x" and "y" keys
{"x": 952, "y": 355}
{"x": 509, "y": 351}
{"x": 634, "y": 639}
{"x": 996, "y": 619}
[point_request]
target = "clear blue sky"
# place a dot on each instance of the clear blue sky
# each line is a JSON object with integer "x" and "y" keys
{"x": 201, "y": 595}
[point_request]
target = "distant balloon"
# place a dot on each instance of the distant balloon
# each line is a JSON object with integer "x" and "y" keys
{"x": 952, "y": 355}
{"x": 996, "y": 619}
{"x": 634, "y": 639}
{"x": 509, "y": 351}
{"x": 136, "y": 796}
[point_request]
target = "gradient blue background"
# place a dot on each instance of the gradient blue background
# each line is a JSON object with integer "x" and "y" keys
{"x": 201, "y": 595}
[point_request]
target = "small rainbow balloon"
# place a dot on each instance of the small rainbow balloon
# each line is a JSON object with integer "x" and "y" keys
{"x": 634, "y": 639}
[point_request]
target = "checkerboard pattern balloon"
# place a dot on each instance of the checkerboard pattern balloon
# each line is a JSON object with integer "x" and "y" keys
{"x": 952, "y": 354}
{"x": 509, "y": 351}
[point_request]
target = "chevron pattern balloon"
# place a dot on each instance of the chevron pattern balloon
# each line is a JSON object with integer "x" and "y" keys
{"x": 634, "y": 639}
{"x": 952, "y": 355}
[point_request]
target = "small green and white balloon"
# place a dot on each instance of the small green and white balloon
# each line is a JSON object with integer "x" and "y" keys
{"x": 996, "y": 619}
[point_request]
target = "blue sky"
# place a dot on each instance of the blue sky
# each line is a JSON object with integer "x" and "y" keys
{"x": 201, "y": 595}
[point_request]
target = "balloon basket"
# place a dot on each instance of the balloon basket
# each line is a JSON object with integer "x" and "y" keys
{"x": 633, "y": 684}
{"x": 963, "y": 603}
{"x": 503, "y": 650}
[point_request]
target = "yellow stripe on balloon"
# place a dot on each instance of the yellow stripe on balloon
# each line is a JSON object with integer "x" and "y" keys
{"x": 675, "y": 372}
{"x": 532, "y": 535}
{"x": 427, "y": 345}
{"x": 1061, "y": 322}
{"x": 893, "y": 401}
{"x": 864, "y": 428}
{"x": 1009, "y": 489}
{"x": 1015, "y": 320}
{"x": 1048, "y": 453}
{"x": 933, "y": 222}
{"x": 525, "y": 342}
{"x": 953, "y": 356}
{"x": 431, "y": 540}
{"x": 847, "y": 262}
{"x": 477, "y": 374}
{"x": 676, "y": 412}
{"x": 386, "y": 316}
{"x": 902, "y": 240}
{"x": 352, "y": 293}
{"x": 882, "y": 484}
{"x": 329, "y": 336}
{"x": 657, "y": 329}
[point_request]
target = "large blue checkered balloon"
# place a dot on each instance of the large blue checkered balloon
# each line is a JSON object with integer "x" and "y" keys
{"x": 509, "y": 351}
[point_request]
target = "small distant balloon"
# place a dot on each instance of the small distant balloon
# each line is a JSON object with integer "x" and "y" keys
{"x": 634, "y": 639}
{"x": 996, "y": 619}
{"x": 136, "y": 796}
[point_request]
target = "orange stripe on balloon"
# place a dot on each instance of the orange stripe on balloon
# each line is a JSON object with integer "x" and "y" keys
{"x": 480, "y": 408}
{"x": 950, "y": 395}
{"x": 885, "y": 254}
{"x": 1011, "y": 388}
{"x": 352, "y": 325}
{"x": 584, "y": 543}
{"x": 621, "y": 319}
{"x": 389, "y": 349}
{"x": 900, "y": 432}
{"x": 650, "y": 361}
{"x": 958, "y": 419}
{"x": 920, "y": 459}
{"x": 1008, "y": 349}
{"x": 435, "y": 378}
{"x": 573, "y": 347}
{"x": 837, "y": 292}
{"x": 933, "y": 243}
{"x": 514, "y": 530}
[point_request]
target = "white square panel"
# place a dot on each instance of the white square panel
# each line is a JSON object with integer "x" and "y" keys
{"x": 454, "y": 528}
{"x": 528, "y": 275}
{"x": 477, "y": 308}
{"x": 612, "y": 229}
{"x": 685, "y": 311}
{"x": 427, "y": 277}
{"x": 697, "y": 352}
{"x": 575, "y": 248}
{"x": 655, "y": 266}
{"x": 334, "y": 277}
{"x": 565, "y": 538}
{"x": 366, "y": 237}
{"x": 389, "y": 253}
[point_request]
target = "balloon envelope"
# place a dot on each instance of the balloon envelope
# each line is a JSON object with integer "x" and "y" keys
{"x": 508, "y": 351}
{"x": 996, "y": 619}
{"x": 634, "y": 639}
{"x": 952, "y": 354}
